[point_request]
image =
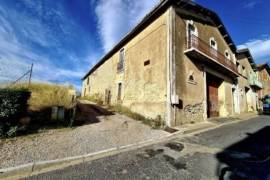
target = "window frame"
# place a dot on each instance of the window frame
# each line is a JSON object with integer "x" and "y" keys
{"x": 121, "y": 60}
{"x": 212, "y": 39}
{"x": 229, "y": 55}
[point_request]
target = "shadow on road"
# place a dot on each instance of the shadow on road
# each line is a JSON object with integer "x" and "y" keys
{"x": 89, "y": 113}
{"x": 247, "y": 159}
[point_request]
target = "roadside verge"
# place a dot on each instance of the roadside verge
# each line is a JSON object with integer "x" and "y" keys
{"x": 32, "y": 169}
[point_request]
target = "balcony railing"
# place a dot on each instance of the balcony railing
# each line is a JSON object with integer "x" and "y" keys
{"x": 205, "y": 49}
{"x": 253, "y": 81}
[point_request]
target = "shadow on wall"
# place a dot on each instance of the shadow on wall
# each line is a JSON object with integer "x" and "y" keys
{"x": 246, "y": 159}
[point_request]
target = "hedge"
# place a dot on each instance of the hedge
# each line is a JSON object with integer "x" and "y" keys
{"x": 13, "y": 103}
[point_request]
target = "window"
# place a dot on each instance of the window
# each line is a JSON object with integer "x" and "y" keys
{"x": 119, "y": 94}
{"x": 146, "y": 63}
{"x": 191, "y": 78}
{"x": 227, "y": 55}
{"x": 191, "y": 29}
{"x": 120, "y": 65}
{"x": 213, "y": 43}
{"x": 192, "y": 34}
{"x": 88, "y": 81}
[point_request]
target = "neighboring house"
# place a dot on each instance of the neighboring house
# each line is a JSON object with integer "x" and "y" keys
{"x": 248, "y": 82}
{"x": 178, "y": 63}
{"x": 264, "y": 75}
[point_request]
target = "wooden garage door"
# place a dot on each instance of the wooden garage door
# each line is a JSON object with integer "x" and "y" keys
{"x": 212, "y": 97}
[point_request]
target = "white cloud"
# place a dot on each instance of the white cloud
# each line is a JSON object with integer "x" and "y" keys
{"x": 18, "y": 32}
{"x": 260, "y": 48}
{"x": 251, "y": 4}
{"x": 117, "y": 17}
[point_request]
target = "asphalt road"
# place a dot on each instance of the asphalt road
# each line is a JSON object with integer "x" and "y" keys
{"x": 237, "y": 151}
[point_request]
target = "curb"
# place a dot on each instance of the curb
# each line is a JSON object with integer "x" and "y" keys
{"x": 36, "y": 168}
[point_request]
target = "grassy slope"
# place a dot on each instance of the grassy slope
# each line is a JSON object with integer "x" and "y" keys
{"x": 44, "y": 95}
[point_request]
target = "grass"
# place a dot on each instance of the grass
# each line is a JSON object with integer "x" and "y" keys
{"x": 44, "y": 95}
{"x": 156, "y": 123}
{"x": 96, "y": 98}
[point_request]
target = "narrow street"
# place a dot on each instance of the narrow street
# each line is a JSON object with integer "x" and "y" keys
{"x": 235, "y": 151}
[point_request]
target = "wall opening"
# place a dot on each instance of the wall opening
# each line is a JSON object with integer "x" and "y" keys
{"x": 213, "y": 84}
{"x": 119, "y": 92}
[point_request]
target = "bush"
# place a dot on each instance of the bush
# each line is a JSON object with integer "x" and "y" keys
{"x": 13, "y": 106}
{"x": 13, "y": 103}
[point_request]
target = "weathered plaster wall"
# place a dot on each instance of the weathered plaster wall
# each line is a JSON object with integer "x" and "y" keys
{"x": 193, "y": 94}
{"x": 247, "y": 94}
{"x": 265, "y": 79}
{"x": 143, "y": 87}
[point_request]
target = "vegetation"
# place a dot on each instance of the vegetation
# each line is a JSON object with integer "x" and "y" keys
{"x": 156, "y": 123}
{"x": 37, "y": 115}
{"x": 96, "y": 98}
{"x": 44, "y": 95}
{"x": 13, "y": 106}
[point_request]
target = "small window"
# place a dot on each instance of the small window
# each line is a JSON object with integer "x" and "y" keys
{"x": 191, "y": 78}
{"x": 120, "y": 65}
{"x": 88, "y": 81}
{"x": 213, "y": 43}
{"x": 227, "y": 55}
{"x": 119, "y": 91}
{"x": 146, "y": 63}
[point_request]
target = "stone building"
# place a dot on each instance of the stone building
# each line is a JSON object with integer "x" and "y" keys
{"x": 248, "y": 82}
{"x": 179, "y": 63}
{"x": 264, "y": 76}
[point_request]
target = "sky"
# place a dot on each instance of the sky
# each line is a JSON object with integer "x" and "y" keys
{"x": 65, "y": 38}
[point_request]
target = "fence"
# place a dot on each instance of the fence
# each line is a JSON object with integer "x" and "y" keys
{"x": 14, "y": 75}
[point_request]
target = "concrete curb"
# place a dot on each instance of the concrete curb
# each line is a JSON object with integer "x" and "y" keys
{"x": 36, "y": 168}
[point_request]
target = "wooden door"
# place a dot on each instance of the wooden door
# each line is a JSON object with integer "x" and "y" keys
{"x": 212, "y": 98}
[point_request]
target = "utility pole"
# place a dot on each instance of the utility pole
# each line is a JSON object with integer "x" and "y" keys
{"x": 30, "y": 76}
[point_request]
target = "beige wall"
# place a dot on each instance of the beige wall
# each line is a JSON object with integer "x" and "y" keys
{"x": 265, "y": 79}
{"x": 193, "y": 95}
{"x": 144, "y": 87}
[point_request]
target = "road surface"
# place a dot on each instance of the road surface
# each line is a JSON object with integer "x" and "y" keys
{"x": 236, "y": 151}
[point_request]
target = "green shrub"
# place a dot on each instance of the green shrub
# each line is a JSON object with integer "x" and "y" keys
{"x": 13, "y": 103}
{"x": 13, "y": 106}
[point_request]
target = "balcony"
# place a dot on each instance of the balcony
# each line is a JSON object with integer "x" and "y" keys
{"x": 199, "y": 49}
{"x": 253, "y": 81}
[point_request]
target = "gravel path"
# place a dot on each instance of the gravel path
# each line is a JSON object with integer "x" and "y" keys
{"x": 111, "y": 131}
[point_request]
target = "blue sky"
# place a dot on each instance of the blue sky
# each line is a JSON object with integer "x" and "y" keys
{"x": 65, "y": 38}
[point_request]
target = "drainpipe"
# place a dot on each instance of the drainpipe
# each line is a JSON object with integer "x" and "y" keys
{"x": 172, "y": 98}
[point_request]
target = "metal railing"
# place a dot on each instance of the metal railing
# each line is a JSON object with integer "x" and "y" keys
{"x": 254, "y": 81}
{"x": 197, "y": 43}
